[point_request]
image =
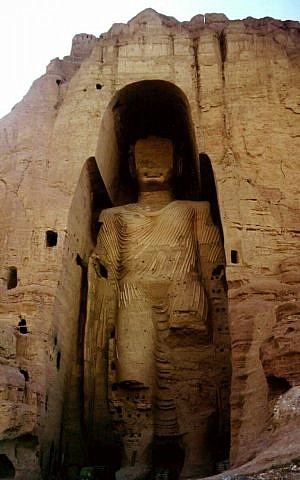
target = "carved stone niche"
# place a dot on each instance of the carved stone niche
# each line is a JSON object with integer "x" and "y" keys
{"x": 280, "y": 352}
{"x": 157, "y": 347}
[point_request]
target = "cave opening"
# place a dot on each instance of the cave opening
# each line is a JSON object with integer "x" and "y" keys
{"x": 58, "y": 360}
{"x": 51, "y": 238}
{"x": 167, "y": 457}
{"x": 12, "y": 278}
{"x": 25, "y": 374}
{"x": 7, "y": 469}
{"x": 106, "y": 456}
{"x": 277, "y": 386}
{"x": 22, "y": 327}
{"x": 234, "y": 257}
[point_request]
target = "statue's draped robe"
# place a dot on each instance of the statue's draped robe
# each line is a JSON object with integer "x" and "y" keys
{"x": 146, "y": 294}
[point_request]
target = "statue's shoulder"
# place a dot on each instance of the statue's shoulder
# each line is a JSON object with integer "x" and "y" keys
{"x": 192, "y": 204}
{"x": 109, "y": 214}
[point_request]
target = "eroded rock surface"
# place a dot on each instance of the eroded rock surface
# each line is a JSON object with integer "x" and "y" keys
{"x": 227, "y": 90}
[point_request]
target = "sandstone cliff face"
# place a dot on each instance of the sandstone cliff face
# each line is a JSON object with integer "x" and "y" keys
{"x": 234, "y": 90}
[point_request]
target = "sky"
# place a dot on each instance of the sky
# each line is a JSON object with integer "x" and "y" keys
{"x": 32, "y": 32}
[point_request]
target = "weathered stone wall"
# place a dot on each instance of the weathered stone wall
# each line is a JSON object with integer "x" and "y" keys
{"x": 241, "y": 82}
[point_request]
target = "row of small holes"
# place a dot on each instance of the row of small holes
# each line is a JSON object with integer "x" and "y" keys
{"x": 98, "y": 85}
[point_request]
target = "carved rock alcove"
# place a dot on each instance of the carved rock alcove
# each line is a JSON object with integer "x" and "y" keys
{"x": 157, "y": 346}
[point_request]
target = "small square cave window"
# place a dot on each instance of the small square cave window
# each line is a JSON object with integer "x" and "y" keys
{"x": 51, "y": 238}
{"x": 234, "y": 256}
{"x": 12, "y": 278}
{"x": 22, "y": 327}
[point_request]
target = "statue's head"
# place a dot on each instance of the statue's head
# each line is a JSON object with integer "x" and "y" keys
{"x": 153, "y": 163}
{"x": 158, "y": 163}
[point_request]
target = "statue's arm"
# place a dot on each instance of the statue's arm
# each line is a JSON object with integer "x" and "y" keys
{"x": 209, "y": 242}
{"x": 101, "y": 315}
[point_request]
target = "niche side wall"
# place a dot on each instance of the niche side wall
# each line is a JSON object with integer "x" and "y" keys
{"x": 63, "y": 444}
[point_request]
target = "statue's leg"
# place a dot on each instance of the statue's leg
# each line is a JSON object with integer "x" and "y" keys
{"x": 135, "y": 339}
{"x": 197, "y": 461}
{"x": 131, "y": 395}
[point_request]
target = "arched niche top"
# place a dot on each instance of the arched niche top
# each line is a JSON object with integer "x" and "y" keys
{"x": 140, "y": 109}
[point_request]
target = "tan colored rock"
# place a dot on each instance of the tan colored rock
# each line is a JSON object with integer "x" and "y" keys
{"x": 288, "y": 407}
{"x": 227, "y": 90}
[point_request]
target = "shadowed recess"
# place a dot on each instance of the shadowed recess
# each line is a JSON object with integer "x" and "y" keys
{"x": 141, "y": 109}
{"x": 7, "y": 470}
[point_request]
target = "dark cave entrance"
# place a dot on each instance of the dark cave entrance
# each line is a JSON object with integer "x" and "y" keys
{"x": 7, "y": 469}
{"x": 167, "y": 458}
{"x": 107, "y": 457}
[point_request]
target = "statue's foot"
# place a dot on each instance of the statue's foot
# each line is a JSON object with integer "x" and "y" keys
{"x": 137, "y": 472}
{"x": 195, "y": 471}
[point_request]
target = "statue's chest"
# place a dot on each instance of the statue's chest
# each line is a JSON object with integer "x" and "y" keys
{"x": 164, "y": 229}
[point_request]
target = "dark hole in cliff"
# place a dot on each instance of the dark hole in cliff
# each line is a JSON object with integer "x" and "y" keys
{"x": 277, "y": 385}
{"x": 218, "y": 272}
{"x": 103, "y": 271}
{"x": 22, "y": 326}
{"x": 25, "y": 374}
{"x": 217, "y": 439}
{"x": 58, "y": 82}
{"x": 167, "y": 457}
{"x": 12, "y": 278}
{"x": 7, "y": 469}
{"x": 58, "y": 360}
{"x": 113, "y": 332}
{"x": 107, "y": 457}
{"x": 28, "y": 441}
{"x": 79, "y": 260}
{"x": 290, "y": 330}
{"x": 51, "y": 238}
{"x": 234, "y": 257}
{"x": 51, "y": 458}
{"x": 98, "y": 86}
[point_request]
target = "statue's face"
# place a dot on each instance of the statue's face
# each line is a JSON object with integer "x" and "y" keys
{"x": 153, "y": 173}
{"x": 154, "y": 163}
